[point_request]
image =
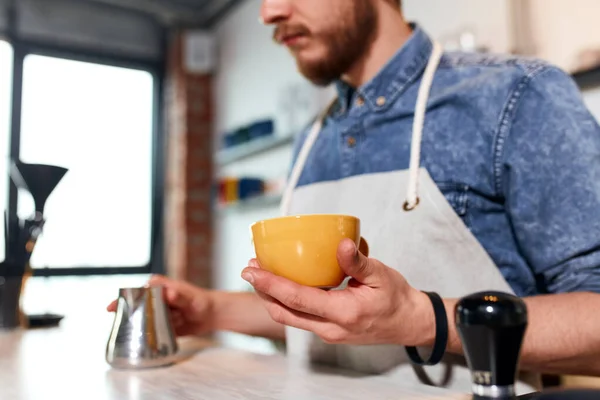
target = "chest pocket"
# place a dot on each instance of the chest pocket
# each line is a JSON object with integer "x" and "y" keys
{"x": 457, "y": 195}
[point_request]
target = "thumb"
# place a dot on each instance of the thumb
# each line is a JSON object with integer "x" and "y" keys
{"x": 355, "y": 264}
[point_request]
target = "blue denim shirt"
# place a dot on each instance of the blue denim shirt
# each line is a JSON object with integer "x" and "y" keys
{"x": 508, "y": 141}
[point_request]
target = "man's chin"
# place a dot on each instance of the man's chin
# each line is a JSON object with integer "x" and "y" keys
{"x": 316, "y": 74}
{"x": 319, "y": 81}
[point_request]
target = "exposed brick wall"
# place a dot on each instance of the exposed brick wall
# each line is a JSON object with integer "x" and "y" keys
{"x": 188, "y": 233}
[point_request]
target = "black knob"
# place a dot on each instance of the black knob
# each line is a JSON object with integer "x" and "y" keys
{"x": 491, "y": 327}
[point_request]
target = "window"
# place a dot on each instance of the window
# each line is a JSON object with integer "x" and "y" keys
{"x": 97, "y": 121}
{"x": 6, "y": 64}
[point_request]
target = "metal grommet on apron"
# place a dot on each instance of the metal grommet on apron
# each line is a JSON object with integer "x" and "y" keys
{"x": 409, "y": 207}
{"x": 420, "y": 236}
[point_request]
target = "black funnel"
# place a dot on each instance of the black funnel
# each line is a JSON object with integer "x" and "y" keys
{"x": 38, "y": 179}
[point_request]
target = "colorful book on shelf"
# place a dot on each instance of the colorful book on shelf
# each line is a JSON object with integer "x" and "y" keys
{"x": 246, "y": 134}
{"x": 239, "y": 189}
{"x": 234, "y": 189}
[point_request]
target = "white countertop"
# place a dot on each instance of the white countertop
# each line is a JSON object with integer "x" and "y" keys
{"x": 67, "y": 363}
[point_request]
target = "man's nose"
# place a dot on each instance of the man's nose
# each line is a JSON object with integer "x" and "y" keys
{"x": 273, "y": 11}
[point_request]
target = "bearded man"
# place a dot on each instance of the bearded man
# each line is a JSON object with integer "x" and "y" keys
{"x": 468, "y": 172}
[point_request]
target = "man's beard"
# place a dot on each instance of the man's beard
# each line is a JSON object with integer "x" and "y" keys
{"x": 345, "y": 42}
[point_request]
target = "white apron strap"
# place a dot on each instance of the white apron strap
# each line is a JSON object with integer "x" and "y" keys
{"x": 412, "y": 198}
{"x": 301, "y": 160}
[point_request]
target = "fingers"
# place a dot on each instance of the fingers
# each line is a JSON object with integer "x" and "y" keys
{"x": 328, "y": 331}
{"x": 175, "y": 298}
{"x": 355, "y": 264}
{"x": 177, "y": 319}
{"x": 180, "y": 326}
{"x": 160, "y": 280}
{"x": 296, "y": 297}
{"x": 112, "y": 307}
{"x": 178, "y": 294}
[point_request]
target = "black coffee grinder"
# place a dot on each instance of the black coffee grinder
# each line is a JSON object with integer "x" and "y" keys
{"x": 491, "y": 326}
{"x": 40, "y": 181}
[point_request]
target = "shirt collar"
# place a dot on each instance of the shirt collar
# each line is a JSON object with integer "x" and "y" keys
{"x": 383, "y": 89}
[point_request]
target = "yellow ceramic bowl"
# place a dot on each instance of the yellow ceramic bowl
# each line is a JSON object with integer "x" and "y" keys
{"x": 303, "y": 248}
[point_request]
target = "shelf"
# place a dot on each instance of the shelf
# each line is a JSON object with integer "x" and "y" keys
{"x": 254, "y": 147}
{"x": 587, "y": 79}
{"x": 268, "y": 200}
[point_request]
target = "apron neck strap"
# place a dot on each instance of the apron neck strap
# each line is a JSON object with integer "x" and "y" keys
{"x": 301, "y": 159}
{"x": 412, "y": 198}
{"x": 417, "y": 133}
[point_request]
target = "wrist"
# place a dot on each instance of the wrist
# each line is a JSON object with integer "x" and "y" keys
{"x": 426, "y": 323}
{"x": 440, "y": 335}
{"x": 424, "y": 317}
{"x": 213, "y": 303}
{"x": 229, "y": 311}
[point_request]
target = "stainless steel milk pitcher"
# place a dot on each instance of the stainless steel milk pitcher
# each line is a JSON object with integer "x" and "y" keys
{"x": 142, "y": 335}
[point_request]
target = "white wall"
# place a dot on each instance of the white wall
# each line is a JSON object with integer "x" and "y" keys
{"x": 489, "y": 20}
{"x": 554, "y": 30}
{"x": 562, "y": 29}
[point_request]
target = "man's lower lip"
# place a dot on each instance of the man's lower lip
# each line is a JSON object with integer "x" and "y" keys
{"x": 292, "y": 40}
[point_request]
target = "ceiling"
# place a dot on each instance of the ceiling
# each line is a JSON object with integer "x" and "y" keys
{"x": 193, "y": 13}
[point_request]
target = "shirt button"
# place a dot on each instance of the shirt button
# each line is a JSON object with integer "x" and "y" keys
{"x": 360, "y": 101}
{"x": 351, "y": 141}
{"x": 380, "y": 101}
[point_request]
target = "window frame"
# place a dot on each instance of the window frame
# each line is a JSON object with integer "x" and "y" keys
{"x": 24, "y": 47}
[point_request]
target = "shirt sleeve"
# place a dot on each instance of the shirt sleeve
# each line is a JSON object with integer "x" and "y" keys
{"x": 550, "y": 179}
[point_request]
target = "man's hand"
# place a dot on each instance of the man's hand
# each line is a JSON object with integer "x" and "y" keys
{"x": 197, "y": 311}
{"x": 190, "y": 306}
{"x": 378, "y": 306}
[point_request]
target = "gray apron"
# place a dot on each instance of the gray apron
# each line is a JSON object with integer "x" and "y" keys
{"x": 420, "y": 235}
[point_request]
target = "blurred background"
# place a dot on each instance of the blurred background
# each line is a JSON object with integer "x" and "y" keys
{"x": 175, "y": 120}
